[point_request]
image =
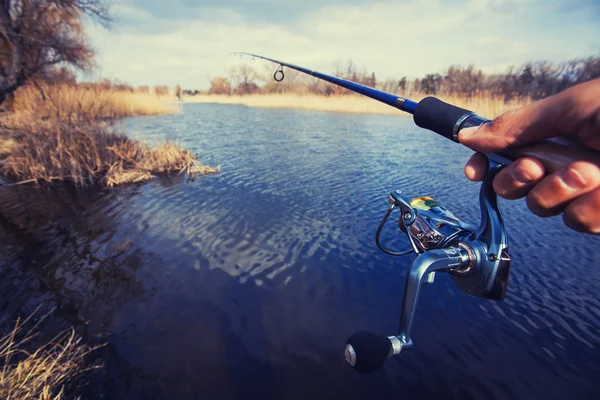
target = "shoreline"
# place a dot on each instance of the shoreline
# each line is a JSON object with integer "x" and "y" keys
{"x": 486, "y": 106}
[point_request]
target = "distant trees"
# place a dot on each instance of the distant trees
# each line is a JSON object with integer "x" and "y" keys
{"x": 431, "y": 84}
{"x": 178, "y": 92}
{"x": 245, "y": 76}
{"x": 161, "y": 90}
{"x": 533, "y": 80}
{"x": 188, "y": 92}
{"x": 220, "y": 85}
{"x": 36, "y": 36}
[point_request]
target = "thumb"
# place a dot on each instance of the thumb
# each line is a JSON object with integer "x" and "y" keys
{"x": 573, "y": 113}
{"x": 513, "y": 128}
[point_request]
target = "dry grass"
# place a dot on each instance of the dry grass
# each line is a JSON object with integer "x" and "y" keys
{"x": 484, "y": 105}
{"x": 52, "y": 150}
{"x": 75, "y": 103}
{"x": 66, "y": 138}
{"x": 40, "y": 374}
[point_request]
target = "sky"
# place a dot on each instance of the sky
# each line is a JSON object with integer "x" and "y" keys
{"x": 186, "y": 42}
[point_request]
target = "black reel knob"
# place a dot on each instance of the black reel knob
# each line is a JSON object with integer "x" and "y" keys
{"x": 366, "y": 352}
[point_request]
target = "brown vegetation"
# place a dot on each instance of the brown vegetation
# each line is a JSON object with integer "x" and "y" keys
{"x": 531, "y": 81}
{"x": 42, "y": 373}
{"x": 67, "y": 138}
{"x": 85, "y": 102}
{"x": 486, "y": 106}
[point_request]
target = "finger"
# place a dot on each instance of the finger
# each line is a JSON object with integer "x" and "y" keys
{"x": 476, "y": 167}
{"x": 583, "y": 214}
{"x": 517, "y": 179}
{"x": 550, "y": 196}
{"x": 564, "y": 114}
{"x": 590, "y": 132}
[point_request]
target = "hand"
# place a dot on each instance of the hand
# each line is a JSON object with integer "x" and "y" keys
{"x": 573, "y": 191}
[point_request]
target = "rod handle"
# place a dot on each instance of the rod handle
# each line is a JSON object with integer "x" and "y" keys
{"x": 555, "y": 154}
{"x": 447, "y": 120}
{"x": 440, "y": 117}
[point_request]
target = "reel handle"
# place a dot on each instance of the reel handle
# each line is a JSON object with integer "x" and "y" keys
{"x": 447, "y": 120}
{"x": 366, "y": 352}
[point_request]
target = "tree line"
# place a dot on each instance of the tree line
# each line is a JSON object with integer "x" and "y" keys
{"x": 534, "y": 80}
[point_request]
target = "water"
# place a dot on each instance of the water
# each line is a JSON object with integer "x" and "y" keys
{"x": 248, "y": 283}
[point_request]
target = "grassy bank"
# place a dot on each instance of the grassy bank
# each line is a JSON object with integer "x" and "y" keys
{"x": 63, "y": 133}
{"x": 484, "y": 105}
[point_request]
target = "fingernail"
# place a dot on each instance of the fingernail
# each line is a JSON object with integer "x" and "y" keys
{"x": 467, "y": 132}
{"x": 573, "y": 178}
{"x": 520, "y": 174}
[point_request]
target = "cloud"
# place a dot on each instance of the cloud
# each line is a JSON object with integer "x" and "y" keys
{"x": 187, "y": 42}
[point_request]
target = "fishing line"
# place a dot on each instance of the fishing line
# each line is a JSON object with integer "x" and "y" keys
{"x": 355, "y": 159}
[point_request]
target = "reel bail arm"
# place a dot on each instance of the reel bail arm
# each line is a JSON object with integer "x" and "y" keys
{"x": 476, "y": 257}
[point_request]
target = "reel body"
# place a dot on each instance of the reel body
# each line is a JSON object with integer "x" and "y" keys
{"x": 476, "y": 257}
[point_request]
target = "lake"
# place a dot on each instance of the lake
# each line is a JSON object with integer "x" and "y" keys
{"x": 247, "y": 284}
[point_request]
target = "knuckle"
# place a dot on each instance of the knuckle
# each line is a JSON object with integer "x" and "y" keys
{"x": 500, "y": 186}
{"x": 539, "y": 204}
{"x": 577, "y": 222}
{"x": 582, "y": 175}
{"x": 501, "y": 126}
{"x": 583, "y": 215}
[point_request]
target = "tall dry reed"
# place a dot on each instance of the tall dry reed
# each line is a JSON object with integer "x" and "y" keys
{"x": 40, "y": 374}
{"x": 79, "y": 103}
{"x": 54, "y": 150}
{"x": 483, "y": 104}
{"x": 61, "y": 133}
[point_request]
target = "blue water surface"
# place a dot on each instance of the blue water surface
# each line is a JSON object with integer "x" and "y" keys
{"x": 246, "y": 284}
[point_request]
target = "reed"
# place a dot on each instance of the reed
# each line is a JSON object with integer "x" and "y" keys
{"x": 57, "y": 150}
{"x": 483, "y": 104}
{"x": 62, "y": 133}
{"x": 43, "y": 373}
{"x": 87, "y": 103}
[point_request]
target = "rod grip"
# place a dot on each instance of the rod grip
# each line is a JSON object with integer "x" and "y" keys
{"x": 447, "y": 120}
{"x": 440, "y": 117}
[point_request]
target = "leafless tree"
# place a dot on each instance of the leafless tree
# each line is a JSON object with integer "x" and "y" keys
{"x": 220, "y": 85}
{"x": 245, "y": 76}
{"x": 178, "y": 92}
{"x": 38, "y": 35}
{"x": 161, "y": 90}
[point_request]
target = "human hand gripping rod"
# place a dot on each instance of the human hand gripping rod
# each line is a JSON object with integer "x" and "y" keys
{"x": 476, "y": 256}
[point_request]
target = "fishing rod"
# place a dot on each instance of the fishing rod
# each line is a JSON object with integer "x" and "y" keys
{"x": 476, "y": 256}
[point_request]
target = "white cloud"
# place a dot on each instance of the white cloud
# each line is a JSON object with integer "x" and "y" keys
{"x": 392, "y": 38}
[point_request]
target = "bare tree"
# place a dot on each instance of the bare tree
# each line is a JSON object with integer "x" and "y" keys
{"x": 220, "y": 85}
{"x": 161, "y": 90}
{"x": 246, "y": 76}
{"x": 37, "y": 35}
{"x": 178, "y": 92}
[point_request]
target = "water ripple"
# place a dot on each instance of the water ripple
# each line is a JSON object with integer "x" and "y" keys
{"x": 251, "y": 280}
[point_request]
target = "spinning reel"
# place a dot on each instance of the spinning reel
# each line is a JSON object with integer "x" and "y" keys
{"x": 476, "y": 257}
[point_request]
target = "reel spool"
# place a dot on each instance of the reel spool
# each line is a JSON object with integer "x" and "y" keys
{"x": 476, "y": 257}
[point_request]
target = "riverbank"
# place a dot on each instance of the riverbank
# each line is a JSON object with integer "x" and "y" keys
{"x": 65, "y": 133}
{"x": 487, "y": 106}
